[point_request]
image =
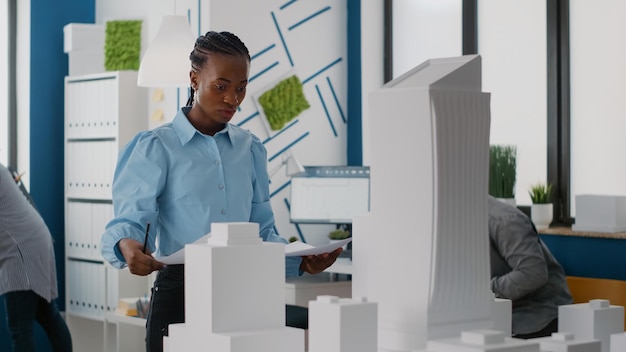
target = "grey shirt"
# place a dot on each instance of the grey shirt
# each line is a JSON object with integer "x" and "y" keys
{"x": 523, "y": 269}
{"x": 26, "y": 251}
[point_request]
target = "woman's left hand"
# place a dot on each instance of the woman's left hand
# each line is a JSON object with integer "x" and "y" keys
{"x": 315, "y": 264}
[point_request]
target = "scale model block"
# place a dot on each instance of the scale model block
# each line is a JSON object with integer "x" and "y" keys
{"x": 183, "y": 337}
{"x": 502, "y": 313}
{"x": 342, "y": 325}
{"x": 594, "y": 320}
{"x": 618, "y": 342}
{"x": 566, "y": 342}
{"x": 232, "y": 305}
{"x": 482, "y": 341}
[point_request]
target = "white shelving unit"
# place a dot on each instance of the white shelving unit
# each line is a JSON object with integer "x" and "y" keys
{"x": 102, "y": 113}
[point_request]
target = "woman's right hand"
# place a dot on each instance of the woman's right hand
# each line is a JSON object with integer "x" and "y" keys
{"x": 139, "y": 263}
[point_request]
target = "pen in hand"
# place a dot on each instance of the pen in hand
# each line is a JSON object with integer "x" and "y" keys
{"x": 145, "y": 241}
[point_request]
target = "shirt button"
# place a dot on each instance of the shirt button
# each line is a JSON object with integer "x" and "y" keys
{"x": 217, "y": 162}
{"x": 223, "y": 212}
{"x": 221, "y": 186}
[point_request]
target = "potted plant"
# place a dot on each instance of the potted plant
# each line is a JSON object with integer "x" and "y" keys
{"x": 502, "y": 172}
{"x": 541, "y": 211}
{"x": 338, "y": 235}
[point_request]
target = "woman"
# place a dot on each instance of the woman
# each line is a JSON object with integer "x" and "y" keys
{"x": 189, "y": 173}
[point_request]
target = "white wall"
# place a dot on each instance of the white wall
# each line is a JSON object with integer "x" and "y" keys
{"x": 424, "y": 29}
{"x": 512, "y": 43}
{"x": 372, "y": 63}
{"x": 598, "y": 104}
{"x": 4, "y": 62}
{"x": 23, "y": 89}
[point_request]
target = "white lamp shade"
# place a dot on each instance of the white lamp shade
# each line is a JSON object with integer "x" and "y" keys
{"x": 166, "y": 62}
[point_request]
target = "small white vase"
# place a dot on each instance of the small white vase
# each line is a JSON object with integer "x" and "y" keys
{"x": 541, "y": 215}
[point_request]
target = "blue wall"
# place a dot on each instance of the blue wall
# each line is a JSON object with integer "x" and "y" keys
{"x": 47, "y": 71}
{"x": 355, "y": 99}
{"x": 589, "y": 256}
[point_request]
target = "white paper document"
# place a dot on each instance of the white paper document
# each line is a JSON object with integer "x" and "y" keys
{"x": 300, "y": 248}
{"x": 291, "y": 250}
{"x": 179, "y": 256}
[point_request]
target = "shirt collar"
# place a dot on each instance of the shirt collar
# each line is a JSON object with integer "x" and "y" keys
{"x": 186, "y": 131}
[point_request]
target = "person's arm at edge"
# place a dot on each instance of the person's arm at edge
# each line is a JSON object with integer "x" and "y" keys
{"x": 518, "y": 244}
{"x": 136, "y": 181}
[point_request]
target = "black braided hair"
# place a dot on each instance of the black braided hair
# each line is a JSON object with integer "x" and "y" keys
{"x": 214, "y": 42}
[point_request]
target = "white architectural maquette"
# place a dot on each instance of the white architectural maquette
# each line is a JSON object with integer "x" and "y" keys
{"x": 231, "y": 304}
{"x": 483, "y": 341}
{"x": 422, "y": 253}
{"x": 342, "y": 325}
{"x": 618, "y": 342}
{"x": 566, "y": 342}
{"x": 597, "y": 319}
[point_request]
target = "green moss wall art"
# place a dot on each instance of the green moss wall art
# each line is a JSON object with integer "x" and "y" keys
{"x": 122, "y": 45}
{"x": 283, "y": 102}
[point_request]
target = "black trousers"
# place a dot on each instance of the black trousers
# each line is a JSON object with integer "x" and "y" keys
{"x": 167, "y": 305}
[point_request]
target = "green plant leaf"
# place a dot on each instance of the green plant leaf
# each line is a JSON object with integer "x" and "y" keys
{"x": 502, "y": 170}
{"x": 540, "y": 193}
{"x": 283, "y": 102}
{"x": 122, "y": 45}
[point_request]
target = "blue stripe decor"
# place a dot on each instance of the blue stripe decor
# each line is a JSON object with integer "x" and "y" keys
{"x": 281, "y": 131}
{"x": 282, "y": 39}
{"x": 270, "y": 47}
{"x": 309, "y": 18}
{"x": 330, "y": 120}
{"x": 298, "y": 140}
{"x": 332, "y": 90}
{"x": 284, "y": 6}
{"x": 283, "y": 186}
{"x": 265, "y": 70}
{"x": 325, "y": 68}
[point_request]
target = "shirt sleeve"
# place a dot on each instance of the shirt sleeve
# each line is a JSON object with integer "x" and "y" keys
{"x": 138, "y": 180}
{"x": 518, "y": 244}
{"x": 261, "y": 207}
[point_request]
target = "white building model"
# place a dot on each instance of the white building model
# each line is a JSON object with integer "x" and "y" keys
{"x": 420, "y": 258}
{"x": 423, "y": 253}
{"x": 234, "y": 295}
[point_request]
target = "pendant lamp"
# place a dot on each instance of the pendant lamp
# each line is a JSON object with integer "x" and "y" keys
{"x": 166, "y": 62}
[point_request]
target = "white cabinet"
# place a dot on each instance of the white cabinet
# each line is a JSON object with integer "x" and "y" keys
{"x": 102, "y": 113}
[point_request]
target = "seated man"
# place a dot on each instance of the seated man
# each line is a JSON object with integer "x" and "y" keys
{"x": 524, "y": 271}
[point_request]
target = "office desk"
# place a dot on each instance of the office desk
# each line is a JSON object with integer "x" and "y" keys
{"x": 588, "y": 254}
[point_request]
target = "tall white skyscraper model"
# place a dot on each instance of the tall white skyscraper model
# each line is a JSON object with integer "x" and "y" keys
{"x": 423, "y": 253}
